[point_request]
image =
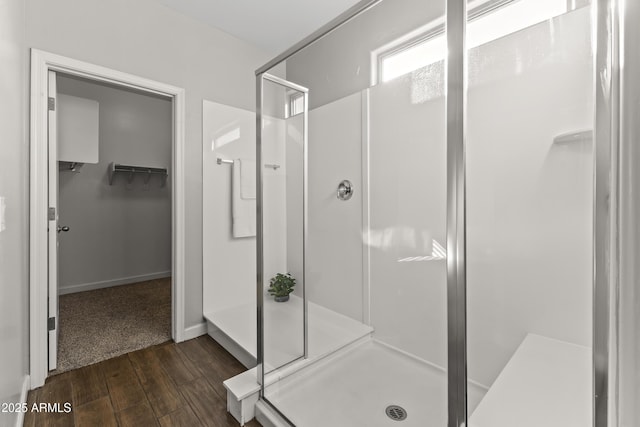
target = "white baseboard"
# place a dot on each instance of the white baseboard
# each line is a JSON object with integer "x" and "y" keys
{"x": 26, "y": 383}
{"x": 114, "y": 282}
{"x": 195, "y": 331}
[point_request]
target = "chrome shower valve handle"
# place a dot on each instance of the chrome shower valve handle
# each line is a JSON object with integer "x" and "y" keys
{"x": 345, "y": 190}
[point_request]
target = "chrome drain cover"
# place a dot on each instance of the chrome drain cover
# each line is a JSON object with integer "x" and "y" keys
{"x": 396, "y": 413}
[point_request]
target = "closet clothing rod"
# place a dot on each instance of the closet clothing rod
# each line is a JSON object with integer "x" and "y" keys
{"x": 221, "y": 161}
{"x": 115, "y": 168}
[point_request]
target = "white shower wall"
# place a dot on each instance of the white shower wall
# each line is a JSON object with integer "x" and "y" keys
{"x": 229, "y": 270}
{"x": 229, "y": 264}
{"x": 294, "y": 188}
{"x": 274, "y": 181}
{"x": 334, "y": 259}
{"x": 529, "y": 201}
{"x": 408, "y": 212}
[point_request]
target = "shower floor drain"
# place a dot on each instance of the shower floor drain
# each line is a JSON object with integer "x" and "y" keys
{"x": 396, "y": 412}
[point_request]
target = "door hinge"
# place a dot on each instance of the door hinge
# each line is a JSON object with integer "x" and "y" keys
{"x": 51, "y": 324}
{"x": 52, "y": 214}
{"x": 52, "y": 104}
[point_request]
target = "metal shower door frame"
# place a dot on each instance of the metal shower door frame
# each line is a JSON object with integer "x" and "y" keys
{"x": 260, "y": 79}
{"x": 606, "y": 119}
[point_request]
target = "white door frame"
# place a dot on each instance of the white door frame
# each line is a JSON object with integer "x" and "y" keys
{"x": 41, "y": 63}
{"x": 52, "y": 234}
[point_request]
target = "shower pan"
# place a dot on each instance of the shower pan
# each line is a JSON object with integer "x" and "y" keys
{"x": 442, "y": 203}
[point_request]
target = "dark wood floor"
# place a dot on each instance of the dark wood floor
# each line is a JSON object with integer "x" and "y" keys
{"x": 165, "y": 385}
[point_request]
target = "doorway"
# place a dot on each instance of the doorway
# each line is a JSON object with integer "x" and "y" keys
{"x": 44, "y": 219}
{"x": 114, "y": 220}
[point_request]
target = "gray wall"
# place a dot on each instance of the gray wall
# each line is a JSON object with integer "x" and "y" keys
{"x": 150, "y": 40}
{"x": 340, "y": 63}
{"x": 14, "y": 170}
{"x": 120, "y": 233}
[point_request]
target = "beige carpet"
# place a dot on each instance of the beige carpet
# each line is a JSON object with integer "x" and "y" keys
{"x": 101, "y": 324}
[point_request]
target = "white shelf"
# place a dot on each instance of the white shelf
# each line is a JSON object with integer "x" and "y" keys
{"x": 545, "y": 383}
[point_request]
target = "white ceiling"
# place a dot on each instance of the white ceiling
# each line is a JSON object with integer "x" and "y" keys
{"x": 273, "y": 25}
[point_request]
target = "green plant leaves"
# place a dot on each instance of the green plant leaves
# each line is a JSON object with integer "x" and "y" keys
{"x": 281, "y": 285}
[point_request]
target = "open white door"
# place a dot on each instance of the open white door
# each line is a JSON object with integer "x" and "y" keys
{"x": 53, "y": 223}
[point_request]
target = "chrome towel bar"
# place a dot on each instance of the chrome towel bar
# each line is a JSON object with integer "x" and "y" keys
{"x": 221, "y": 161}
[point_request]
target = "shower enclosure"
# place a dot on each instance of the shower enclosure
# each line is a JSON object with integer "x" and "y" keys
{"x": 443, "y": 204}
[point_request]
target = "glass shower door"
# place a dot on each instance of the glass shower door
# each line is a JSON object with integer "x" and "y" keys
{"x": 465, "y": 257}
{"x": 281, "y": 201}
{"x": 529, "y": 222}
{"x": 374, "y": 257}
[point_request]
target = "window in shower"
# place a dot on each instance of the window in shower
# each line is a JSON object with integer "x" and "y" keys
{"x": 489, "y": 20}
{"x": 295, "y": 104}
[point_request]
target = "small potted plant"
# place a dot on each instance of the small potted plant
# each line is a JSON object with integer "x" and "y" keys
{"x": 281, "y": 286}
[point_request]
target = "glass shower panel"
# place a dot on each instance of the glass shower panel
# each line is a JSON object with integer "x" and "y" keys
{"x": 282, "y": 214}
{"x": 374, "y": 260}
{"x": 529, "y": 178}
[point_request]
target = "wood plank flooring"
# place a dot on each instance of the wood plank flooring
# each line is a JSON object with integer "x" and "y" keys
{"x": 165, "y": 385}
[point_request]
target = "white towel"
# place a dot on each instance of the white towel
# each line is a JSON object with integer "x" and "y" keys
{"x": 244, "y": 210}
{"x": 247, "y": 179}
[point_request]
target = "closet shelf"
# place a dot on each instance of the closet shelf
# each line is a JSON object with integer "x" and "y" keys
{"x": 115, "y": 168}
